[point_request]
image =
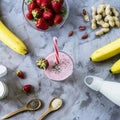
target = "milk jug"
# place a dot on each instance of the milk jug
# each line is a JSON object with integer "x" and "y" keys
{"x": 108, "y": 88}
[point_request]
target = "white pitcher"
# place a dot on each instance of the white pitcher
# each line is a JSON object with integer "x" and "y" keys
{"x": 109, "y": 89}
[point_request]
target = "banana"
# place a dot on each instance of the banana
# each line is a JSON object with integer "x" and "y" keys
{"x": 115, "y": 69}
{"x": 12, "y": 41}
{"x": 106, "y": 51}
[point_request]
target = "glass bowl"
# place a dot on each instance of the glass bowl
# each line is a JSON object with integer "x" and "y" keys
{"x": 54, "y": 27}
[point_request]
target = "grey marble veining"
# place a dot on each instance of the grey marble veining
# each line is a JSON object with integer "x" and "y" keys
{"x": 80, "y": 103}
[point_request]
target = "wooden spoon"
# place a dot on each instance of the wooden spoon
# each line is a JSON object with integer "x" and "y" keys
{"x": 54, "y": 105}
{"x": 31, "y": 105}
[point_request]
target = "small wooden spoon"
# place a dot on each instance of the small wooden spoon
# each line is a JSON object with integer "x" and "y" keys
{"x": 54, "y": 105}
{"x": 31, "y": 105}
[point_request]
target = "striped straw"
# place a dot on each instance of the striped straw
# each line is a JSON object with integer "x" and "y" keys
{"x": 55, "y": 39}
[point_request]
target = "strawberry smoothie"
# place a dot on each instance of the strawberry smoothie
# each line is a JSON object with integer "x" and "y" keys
{"x": 59, "y": 72}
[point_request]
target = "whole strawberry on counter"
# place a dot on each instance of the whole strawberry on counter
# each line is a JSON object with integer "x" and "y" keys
{"x": 20, "y": 74}
{"x": 27, "y": 88}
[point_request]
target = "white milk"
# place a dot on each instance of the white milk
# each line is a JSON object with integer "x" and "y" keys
{"x": 109, "y": 89}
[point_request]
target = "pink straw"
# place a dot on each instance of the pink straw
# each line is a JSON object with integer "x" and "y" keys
{"x": 55, "y": 39}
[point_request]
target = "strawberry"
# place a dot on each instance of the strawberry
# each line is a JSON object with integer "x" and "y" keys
{"x": 58, "y": 19}
{"x": 38, "y": 2}
{"x": 20, "y": 74}
{"x": 42, "y": 63}
{"x": 31, "y": 6}
{"x": 29, "y": 16}
{"x": 48, "y": 14}
{"x": 50, "y": 22}
{"x": 42, "y": 24}
{"x": 37, "y": 13}
{"x": 56, "y": 5}
{"x": 27, "y": 88}
{"x": 45, "y": 4}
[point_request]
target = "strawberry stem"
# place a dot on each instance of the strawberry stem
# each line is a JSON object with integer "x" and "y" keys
{"x": 64, "y": 11}
{"x": 35, "y": 14}
{"x": 30, "y": 1}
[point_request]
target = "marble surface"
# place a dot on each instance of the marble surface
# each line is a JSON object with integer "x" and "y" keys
{"x": 80, "y": 102}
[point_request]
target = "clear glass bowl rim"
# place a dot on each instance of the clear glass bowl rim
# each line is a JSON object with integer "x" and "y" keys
{"x": 51, "y": 28}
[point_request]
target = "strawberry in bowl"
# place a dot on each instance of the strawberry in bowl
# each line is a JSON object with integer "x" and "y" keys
{"x": 45, "y": 15}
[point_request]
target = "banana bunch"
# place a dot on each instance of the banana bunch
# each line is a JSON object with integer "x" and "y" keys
{"x": 12, "y": 41}
{"x": 107, "y": 52}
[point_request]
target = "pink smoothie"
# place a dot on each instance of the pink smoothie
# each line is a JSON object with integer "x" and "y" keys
{"x": 61, "y": 71}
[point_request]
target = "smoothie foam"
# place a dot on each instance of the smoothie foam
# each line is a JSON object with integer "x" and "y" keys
{"x": 60, "y": 71}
